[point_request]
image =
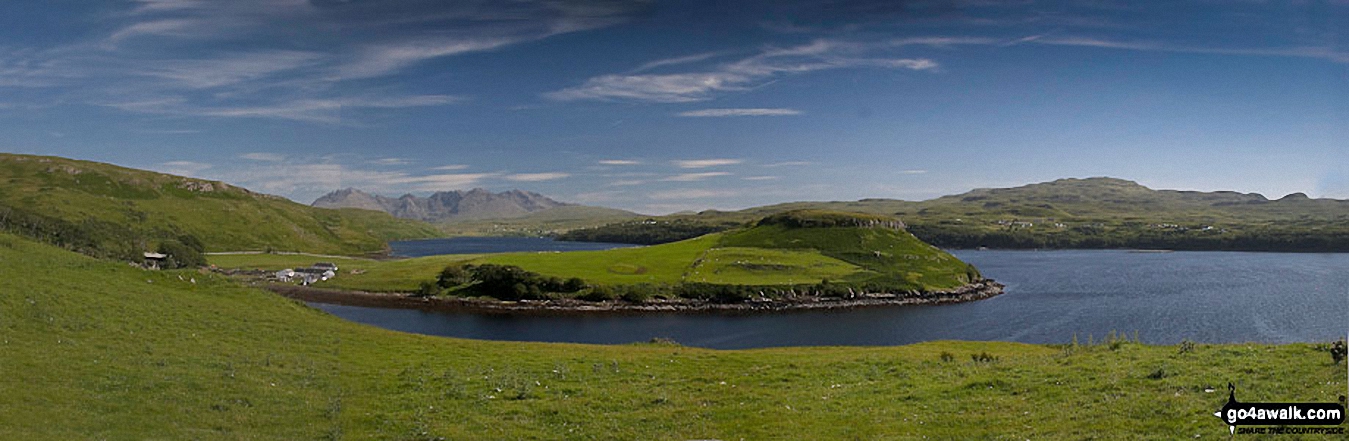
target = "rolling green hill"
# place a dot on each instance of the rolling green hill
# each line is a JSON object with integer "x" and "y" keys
{"x": 1078, "y": 213}
{"x": 92, "y": 349}
{"x": 112, "y": 211}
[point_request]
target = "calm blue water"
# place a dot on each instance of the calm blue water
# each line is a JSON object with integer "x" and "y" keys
{"x": 477, "y": 245}
{"x": 1051, "y": 295}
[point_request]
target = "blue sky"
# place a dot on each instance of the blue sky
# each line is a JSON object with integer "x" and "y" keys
{"x": 666, "y": 106}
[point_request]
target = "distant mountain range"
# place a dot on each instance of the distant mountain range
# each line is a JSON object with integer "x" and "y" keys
{"x": 458, "y": 205}
{"x": 1066, "y": 213}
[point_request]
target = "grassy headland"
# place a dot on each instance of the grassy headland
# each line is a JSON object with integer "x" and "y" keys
{"x": 869, "y": 252}
{"x": 97, "y": 349}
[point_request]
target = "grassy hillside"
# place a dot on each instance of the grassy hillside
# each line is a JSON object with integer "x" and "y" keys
{"x": 99, "y": 350}
{"x": 119, "y": 212}
{"x": 1085, "y": 213}
{"x": 772, "y": 253}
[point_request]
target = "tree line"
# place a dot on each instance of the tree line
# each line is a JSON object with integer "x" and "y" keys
{"x": 512, "y": 283}
{"x": 103, "y": 239}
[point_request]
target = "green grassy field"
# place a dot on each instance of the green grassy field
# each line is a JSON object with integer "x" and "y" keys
{"x": 754, "y": 266}
{"x": 100, "y": 350}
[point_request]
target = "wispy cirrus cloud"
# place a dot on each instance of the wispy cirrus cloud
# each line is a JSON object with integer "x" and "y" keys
{"x": 263, "y": 156}
{"x": 481, "y": 26}
{"x": 788, "y": 164}
{"x": 715, "y": 113}
{"x": 535, "y": 177}
{"x": 1323, "y": 52}
{"x": 451, "y": 167}
{"x": 183, "y": 168}
{"x": 690, "y": 177}
{"x": 695, "y": 193}
{"x": 304, "y": 180}
{"x": 318, "y": 110}
{"x": 285, "y": 59}
{"x": 743, "y": 74}
{"x": 391, "y": 161}
{"x": 676, "y": 61}
{"x": 229, "y": 69}
{"x": 166, "y": 27}
{"x": 380, "y": 60}
{"x": 704, "y": 163}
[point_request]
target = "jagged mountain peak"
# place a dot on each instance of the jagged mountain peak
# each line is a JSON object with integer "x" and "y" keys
{"x": 476, "y": 203}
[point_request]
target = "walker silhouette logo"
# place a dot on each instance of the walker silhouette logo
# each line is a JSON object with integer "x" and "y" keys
{"x": 1236, "y": 413}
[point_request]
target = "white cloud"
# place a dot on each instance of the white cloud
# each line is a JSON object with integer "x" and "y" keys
{"x": 690, "y": 177}
{"x": 479, "y": 27}
{"x": 1315, "y": 52}
{"x": 598, "y": 196}
{"x": 704, "y": 163}
{"x": 440, "y": 182}
{"x": 692, "y": 194}
{"x": 166, "y": 27}
{"x": 788, "y": 164}
{"x": 305, "y": 181}
{"x": 260, "y": 156}
{"x": 676, "y": 61}
{"x": 672, "y": 88}
{"x": 184, "y": 168}
{"x": 283, "y": 59}
{"x": 912, "y": 172}
{"x": 451, "y": 167}
{"x": 535, "y": 177}
{"x": 325, "y": 110}
{"x": 739, "y": 112}
{"x": 619, "y": 162}
{"x": 391, "y": 161}
{"x": 383, "y": 60}
{"x": 625, "y": 183}
{"x": 229, "y": 69}
{"x": 739, "y": 75}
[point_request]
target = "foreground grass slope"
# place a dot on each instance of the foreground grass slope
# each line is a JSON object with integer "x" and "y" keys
{"x": 98, "y": 350}
{"x": 121, "y": 211}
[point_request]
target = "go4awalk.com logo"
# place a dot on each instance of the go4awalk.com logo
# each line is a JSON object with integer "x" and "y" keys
{"x": 1280, "y": 415}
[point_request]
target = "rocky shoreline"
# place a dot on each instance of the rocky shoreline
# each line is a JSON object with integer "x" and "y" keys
{"x": 975, "y": 291}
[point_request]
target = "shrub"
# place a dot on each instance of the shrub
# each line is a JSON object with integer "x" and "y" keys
{"x": 599, "y": 293}
{"x": 452, "y": 276}
{"x": 573, "y": 284}
{"x": 181, "y": 255}
{"x": 427, "y": 289}
{"x": 983, "y": 357}
{"x": 636, "y": 293}
{"x": 506, "y": 282}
